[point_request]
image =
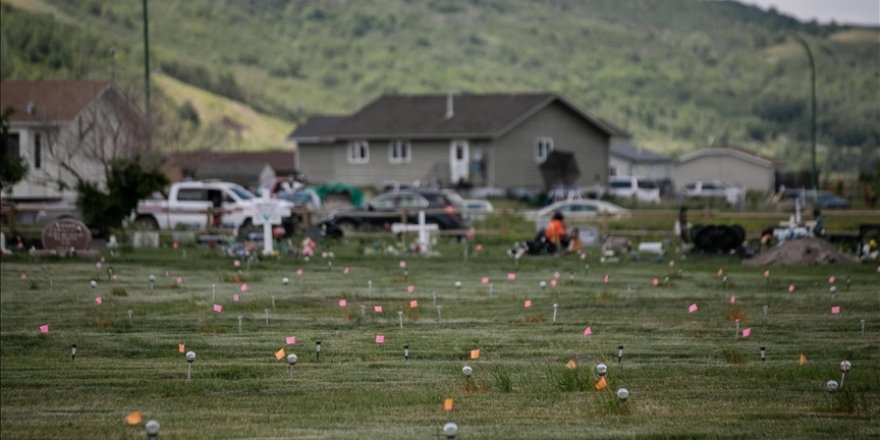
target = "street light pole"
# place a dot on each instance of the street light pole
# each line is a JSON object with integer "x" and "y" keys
{"x": 813, "y": 105}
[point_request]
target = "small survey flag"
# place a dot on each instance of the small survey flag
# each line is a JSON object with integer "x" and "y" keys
{"x": 414, "y": 304}
{"x": 410, "y": 289}
{"x": 802, "y": 360}
{"x": 377, "y": 309}
{"x": 571, "y": 364}
{"x": 44, "y": 329}
{"x": 218, "y": 308}
{"x": 181, "y": 348}
{"x": 475, "y": 354}
{"x": 693, "y": 308}
{"x": 601, "y": 384}
{"x": 448, "y": 405}
{"x": 380, "y": 339}
{"x": 588, "y": 331}
{"x": 279, "y": 354}
{"x": 605, "y": 279}
{"x": 134, "y": 418}
{"x": 290, "y": 340}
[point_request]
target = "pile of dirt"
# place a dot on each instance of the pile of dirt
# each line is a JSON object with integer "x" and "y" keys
{"x": 806, "y": 251}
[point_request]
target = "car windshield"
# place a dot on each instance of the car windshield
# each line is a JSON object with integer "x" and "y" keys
{"x": 648, "y": 184}
{"x": 621, "y": 184}
{"x": 241, "y": 192}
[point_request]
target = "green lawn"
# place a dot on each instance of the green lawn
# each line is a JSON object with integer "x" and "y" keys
{"x": 688, "y": 374}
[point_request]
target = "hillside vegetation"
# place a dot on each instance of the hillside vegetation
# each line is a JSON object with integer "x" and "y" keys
{"x": 678, "y": 74}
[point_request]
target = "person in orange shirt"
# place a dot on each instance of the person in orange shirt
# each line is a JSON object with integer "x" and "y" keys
{"x": 557, "y": 238}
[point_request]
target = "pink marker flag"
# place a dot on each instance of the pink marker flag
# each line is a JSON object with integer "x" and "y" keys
{"x": 291, "y": 340}
{"x": 767, "y": 273}
{"x": 218, "y": 308}
{"x": 588, "y": 331}
{"x": 511, "y": 276}
{"x": 747, "y": 332}
{"x": 380, "y": 339}
{"x": 99, "y": 300}
{"x": 345, "y": 270}
{"x": 835, "y": 310}
{"x": 556, "y": 275}
{"x": 299, "y": 272}
{"x": 24, "y": 276}
{"x": 831, "y": 279}
{"x": 175, "y": 245}
{"x": 410, "y": 289}
{"x": 478, "y": 247}
{"x": 413, "y": 304}
{"x": 236, "y": 263}
{"x": 402, "y": 265}
{"x": 236, "y": 298}
{"x": 179, "y": 280}
{"x": 527, "y": 304}
{"x": 791, "y": 288}
{"x": 692, "y": 308}
{"x": 733, "y": 299}
{"x": 484, "y": 280}
{"x": 553, "y": 282}
{"x": 605, "y": 279}
{"x": 343, "y": 303}
{"x": 243, "y": 288}
{"x": 655, "y": 282}
{"x": 44, "y": 329}
{"x": 377, "y": 309}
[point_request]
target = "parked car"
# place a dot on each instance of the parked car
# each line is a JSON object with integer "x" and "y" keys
{"x": 476, "y": 209}
{"x": 443, "y": 207}
{"x": 713, "y": 189}
{"x": 811, "y": 198}
{"x": 574, "y": 211}
{"x": 641, "y": 188}
{"x": 302, "y": 198}
{"x": 192, "y": 205}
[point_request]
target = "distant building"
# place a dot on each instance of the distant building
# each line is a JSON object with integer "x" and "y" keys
{"x": 629, "y": 159}
{"x": 67, "y": 128}
{"x": 734, "y": 166}
{"x": 248, "y": 169}
{"x": 495, "y": 140}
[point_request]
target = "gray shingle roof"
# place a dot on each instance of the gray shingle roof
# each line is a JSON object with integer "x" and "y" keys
{"x": 424, "y": 117}
{"x": 635, "y": 153}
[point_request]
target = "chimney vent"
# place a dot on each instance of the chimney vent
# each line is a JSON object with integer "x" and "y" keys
{"x": 450, "y": 108}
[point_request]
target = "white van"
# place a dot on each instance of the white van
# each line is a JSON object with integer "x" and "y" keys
{"x": 643, "y": 189}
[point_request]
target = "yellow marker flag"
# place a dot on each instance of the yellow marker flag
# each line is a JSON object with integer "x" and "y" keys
{"x": 475, "y": 354}
{"x": 134, "y": 418}
{"x": 448, "y": 405}
{"x": 279, "y": 354}
{"x": 571, "y": 364}
{"x": 802, "y": 360}
{"x": 181, "y": 348}
{"x": 601, "y": 384}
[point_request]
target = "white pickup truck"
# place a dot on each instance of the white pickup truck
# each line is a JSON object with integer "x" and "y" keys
{"x": 199, "y": 205}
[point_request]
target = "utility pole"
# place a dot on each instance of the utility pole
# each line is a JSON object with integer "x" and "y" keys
{"x": 813, "y": 105}
{"x": 147, "y": 73}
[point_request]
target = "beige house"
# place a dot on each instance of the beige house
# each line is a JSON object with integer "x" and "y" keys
{"x": 65, "y": 130}
{"x": 734, "y": 166}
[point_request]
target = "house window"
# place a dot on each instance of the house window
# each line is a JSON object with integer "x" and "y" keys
{"x": 399, "y": 152}
{"x": 10, "y": 146}
{"x": 38, "y": 151}
{"x": 358, "y": 152}
{"x": 543, "y": 147}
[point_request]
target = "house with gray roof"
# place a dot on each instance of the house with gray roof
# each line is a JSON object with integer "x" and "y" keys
{"x": 630, "y": 159}
{"x": 736, "y": 167}
{"x": 496, "y": 140}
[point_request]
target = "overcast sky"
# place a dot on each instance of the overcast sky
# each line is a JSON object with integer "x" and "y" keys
{"x": 843, "y": 11}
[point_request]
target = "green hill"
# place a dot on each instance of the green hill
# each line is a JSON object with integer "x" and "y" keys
{"x": 678, "y": 74}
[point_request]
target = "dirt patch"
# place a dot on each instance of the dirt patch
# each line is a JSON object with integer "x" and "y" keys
{"x": 807, "y": 251}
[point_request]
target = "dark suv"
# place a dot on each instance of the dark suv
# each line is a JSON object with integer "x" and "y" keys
{"x": 443, "y": 207}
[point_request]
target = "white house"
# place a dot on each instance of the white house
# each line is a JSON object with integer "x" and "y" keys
{"x": 65, "y": 129}
{"x": 628, "y": 159}
{"x": 734, "y": 166}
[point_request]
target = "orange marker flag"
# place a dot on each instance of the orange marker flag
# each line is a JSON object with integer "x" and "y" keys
{"x": 134, "y": 418}
{"x": 181, "y": 348}
{"x": 571, "y": 364}
{"x": 601, "y": 384}
{"x": 802, "y": 360}
{"x": 448, "y": 405}
{"x": 279, "y": 354}
{"x": 475, "y": 354}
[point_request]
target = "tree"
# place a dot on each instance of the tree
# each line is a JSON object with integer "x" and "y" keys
{"x": 103, "y": 153}
{"x": 13, "y": 168}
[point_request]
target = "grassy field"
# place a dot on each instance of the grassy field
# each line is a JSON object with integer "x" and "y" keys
{"x": 689, "y": 374}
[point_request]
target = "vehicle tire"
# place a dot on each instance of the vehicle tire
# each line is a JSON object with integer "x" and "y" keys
{"x": 346, "y": 227}
{"x": 245, "y": 230}
{"x": 145, "y": 223}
